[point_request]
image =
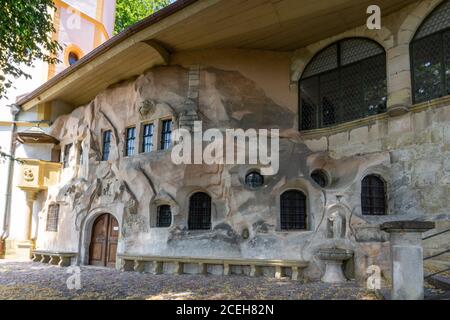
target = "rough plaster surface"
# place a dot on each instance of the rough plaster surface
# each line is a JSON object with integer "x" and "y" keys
{"x": 411, "y": 153}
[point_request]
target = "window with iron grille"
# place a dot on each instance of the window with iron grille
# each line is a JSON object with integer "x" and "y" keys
{"x": 66, "y": 155}
{"x": 129, "y": 141}
{"x": 373, "y": 196}
{"x": 147, "y": 138}
{"x": 254, "y": 180}
{"x": 52, "y": 217}
{"x": 344, "y": 82}
{"x": 430, "y": 56}
{"x": 199, "y": 212}
{"x": 293, "y": 210}
{"x": 106, "y": 145}
{"x": 166, "y": 134}
{"x": 164, "y": 217}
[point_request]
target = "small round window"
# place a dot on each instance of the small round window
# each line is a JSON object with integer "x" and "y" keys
{"x": 73, "y": 57}
{"x": 254, "y": 180}
{"x": 320, "y": 177}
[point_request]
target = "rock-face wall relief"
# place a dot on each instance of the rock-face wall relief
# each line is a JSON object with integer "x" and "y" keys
{"x": 245, "y": 221}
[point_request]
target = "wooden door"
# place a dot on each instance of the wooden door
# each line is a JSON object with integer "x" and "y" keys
{"x": 103, "y": 248}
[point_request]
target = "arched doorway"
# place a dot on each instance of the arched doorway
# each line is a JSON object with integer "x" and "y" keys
{"x": 104, "y": 238}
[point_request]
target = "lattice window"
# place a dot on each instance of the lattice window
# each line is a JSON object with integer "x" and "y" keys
{"x": 164, "y": 216}
{"x": 430, "y": 52}
{"x": 373, "y": 196}
{"x": 147, "y": 138}
{"x": 166, "y": 135}
{"x": 130, "y": 141}
{"x": 66, "y": 155}
{"x": 106, "y": 145}
{"x": 293, "y": 210}
{"x": 199, "y": 212}
{"x": 344, "y": 82}
{"x": 52, "y": 218}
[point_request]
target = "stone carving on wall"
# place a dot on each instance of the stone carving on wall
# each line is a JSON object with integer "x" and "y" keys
{"x": 28, "y": 175}
{"x": 336, "y": 225}
{"x": 133, "y": 224}
{"x": 147, "y": 108}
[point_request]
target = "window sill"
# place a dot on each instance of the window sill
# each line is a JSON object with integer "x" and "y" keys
{"x": 419, "y": 107}
{"x": 308, "y": 134}
{"x": 435, "y": 103}
{"x": 293, "y": 231}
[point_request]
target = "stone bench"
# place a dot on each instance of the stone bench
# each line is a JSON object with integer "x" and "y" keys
{"x": 141, "y": 263}
{"x": 62, "y": 259}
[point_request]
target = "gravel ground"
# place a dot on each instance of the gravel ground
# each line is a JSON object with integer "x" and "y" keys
{"x": 26, "y": 280}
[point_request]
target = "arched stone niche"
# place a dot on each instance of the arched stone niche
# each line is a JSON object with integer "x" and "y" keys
{"x": 337, "y": 217}
{"x": 163, "y": 198}
{"x": 314, "y": 201}
{"x": 86, "y": 232}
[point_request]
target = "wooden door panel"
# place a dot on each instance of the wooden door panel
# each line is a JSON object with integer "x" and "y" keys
{"x": 113, "y": 236}
{"x": 97, "y": 251}
{"x": 103, "y": 247}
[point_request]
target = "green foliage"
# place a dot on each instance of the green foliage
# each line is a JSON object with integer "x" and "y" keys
{"x": 26, "y": 29}
{"x": 129, "y": 12}
{"x": 4, "y": 156}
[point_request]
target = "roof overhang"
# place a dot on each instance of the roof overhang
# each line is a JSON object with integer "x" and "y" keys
{"x": 186, "y": 25}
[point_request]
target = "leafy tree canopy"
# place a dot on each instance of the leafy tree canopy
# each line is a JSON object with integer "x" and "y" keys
{"x": 26, "y": 29}
{"x": 129, "y": 12}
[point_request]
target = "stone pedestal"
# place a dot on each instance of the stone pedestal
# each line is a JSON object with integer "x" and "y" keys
{"x": 333, "y": 258}
{"x": 407, "y": 258}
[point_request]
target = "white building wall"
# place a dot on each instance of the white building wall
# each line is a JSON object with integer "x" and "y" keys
{"x": 81, "y": 36}
{"x": 17, "y": 222}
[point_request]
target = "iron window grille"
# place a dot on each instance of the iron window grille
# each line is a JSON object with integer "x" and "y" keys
{"x": 199, "y": 212}
{"x": 164, "y": 217}
{"x": 166, "y": 134}
{"x": 66, "y": 155}
{"x": 106, "y": 145}
{"x": 52, "y": 218}
{"x": 344, "y": 82}
{"x": 130, "y": 141}
{"x": 373, "y": 196}
{"x": 254, "y": 180}
{"x": 293, "y": 210}
{"x": 430, "y": 56}
{"x": 147, "y": 138}
{"x": 320, "y": 177}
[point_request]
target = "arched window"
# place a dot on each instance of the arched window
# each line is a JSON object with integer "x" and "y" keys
{"x": 343, "y": 82}
{"x": 373, "y": 196}
{"x": 199, "y": 212}
{"x": 293, "y": 210}
{"x": 52, "y": 218}
{"x": 430, "y": 56}
{"x": 164, "y": 216}
{"x": 73, "y": 58}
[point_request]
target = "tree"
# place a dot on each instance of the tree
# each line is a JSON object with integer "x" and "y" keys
{"x": 4, "y": 156}
{"x": 129, "y": 12}
{"x": 26, "y": 29}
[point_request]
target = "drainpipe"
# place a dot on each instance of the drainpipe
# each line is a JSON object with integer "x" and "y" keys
{"x": 15, "y": 110}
